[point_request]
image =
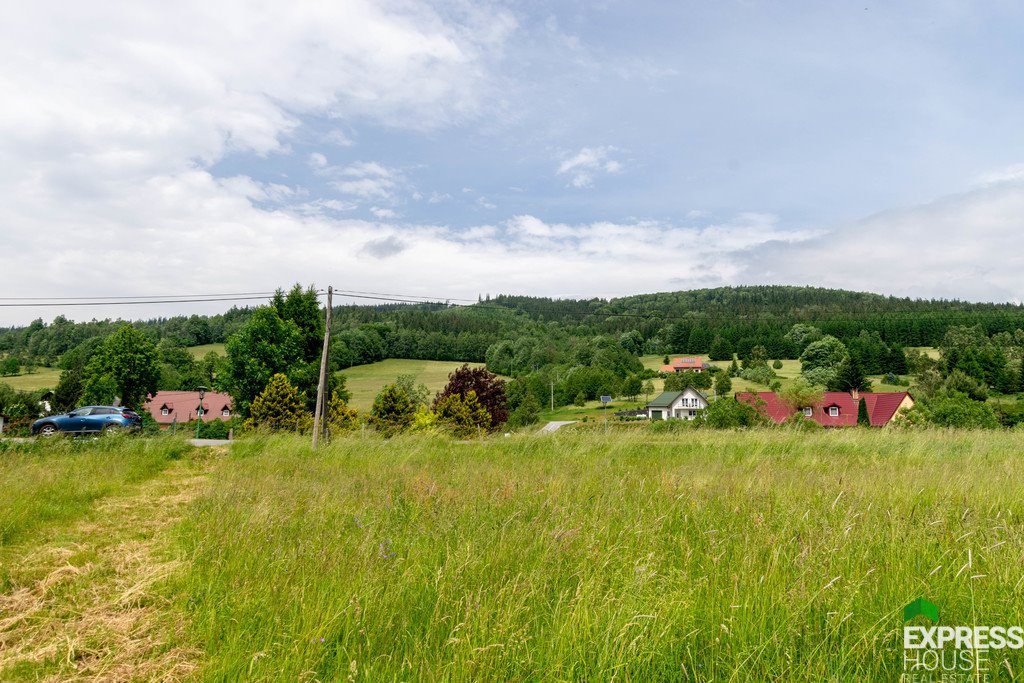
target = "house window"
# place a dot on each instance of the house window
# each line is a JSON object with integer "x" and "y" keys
{"x": 807, "y": 412}
{"x": 225, "y": 413}
{"x": 164, "y": 411}
{"x": 833, "y": 411}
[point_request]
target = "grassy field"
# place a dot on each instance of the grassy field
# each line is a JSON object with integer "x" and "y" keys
{"x": 366, "y": 381}
{"x": 198, "y": 352}
{"x": 42, "y": 378}
{"x": 747, "y": 556}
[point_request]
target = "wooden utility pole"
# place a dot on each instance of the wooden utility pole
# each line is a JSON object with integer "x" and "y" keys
{"x": 321, "y": 387}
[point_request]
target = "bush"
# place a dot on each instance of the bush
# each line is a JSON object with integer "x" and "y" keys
{"x": 392, "y": 410}
{"x": 760, "y": 374}
{"x": 777, "y": 364}
{"x": 728, "y": 413}
{"x": 279, "y": 407}
{"x": 953, "y": 410}
{"x": 463, "y": 416}
{"x": 526, "y": 413}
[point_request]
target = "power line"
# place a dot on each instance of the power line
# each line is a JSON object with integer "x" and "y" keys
{"x": 7, "y": 304}
{"x": 138, "y": 296}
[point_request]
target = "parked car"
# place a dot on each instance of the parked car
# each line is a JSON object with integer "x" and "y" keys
{"x": 88, "y": 420}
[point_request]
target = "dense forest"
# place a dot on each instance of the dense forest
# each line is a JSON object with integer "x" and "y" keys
{"x": 672, "y": 322}
{"x": 562, "y": 351}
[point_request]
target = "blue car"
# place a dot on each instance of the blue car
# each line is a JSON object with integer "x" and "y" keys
{"x": 88, "y": 420}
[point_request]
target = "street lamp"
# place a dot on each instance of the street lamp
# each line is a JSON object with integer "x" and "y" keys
{"x": 202, "y": 392}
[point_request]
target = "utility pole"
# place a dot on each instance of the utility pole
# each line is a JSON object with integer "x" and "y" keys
{"x": 322, "y": 385}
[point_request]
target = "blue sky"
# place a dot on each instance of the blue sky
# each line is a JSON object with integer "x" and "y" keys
{"x": 562, "y": 149}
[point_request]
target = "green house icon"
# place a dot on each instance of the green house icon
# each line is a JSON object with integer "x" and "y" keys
{"x": 923, "y": 608}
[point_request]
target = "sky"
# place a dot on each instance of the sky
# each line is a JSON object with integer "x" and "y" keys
{"x": 458, "y": 149}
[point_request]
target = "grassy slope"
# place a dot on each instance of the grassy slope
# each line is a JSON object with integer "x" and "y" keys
{"x": 42, "y": 378}
{"x": 199, "y": 351}
{"x": 366, "y": 381}
{"x": 724, "y": 556}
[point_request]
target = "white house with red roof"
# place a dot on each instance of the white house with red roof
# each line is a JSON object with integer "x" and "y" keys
{"x": 686, "y": 364}
{"x": 836, "y": 408}
{"x": 169, "y": 407}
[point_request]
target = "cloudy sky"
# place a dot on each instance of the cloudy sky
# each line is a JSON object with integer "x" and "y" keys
{"x": 450, "y": 149}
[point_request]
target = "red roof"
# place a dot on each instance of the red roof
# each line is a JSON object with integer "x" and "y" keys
{"x": 667, "y": 368}
{"x": 687, "y": 363}
{"x": 183, "y": 406}
{"x": 881, "y": 406}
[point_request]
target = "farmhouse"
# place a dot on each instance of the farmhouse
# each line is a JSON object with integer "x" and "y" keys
{"x": 836, "y": 408}
{"x": 683, "y": 405}
{"x": 683, "y": 364}
{"x": 169, "y": 407}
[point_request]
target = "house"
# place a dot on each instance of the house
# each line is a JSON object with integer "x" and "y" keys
{"x": 168, "y": 407}
{"x": 683, "y": 364}
{"x": 3, "y": 420}
{"x": 678, "y": 404}
{"x": 836, "y": 408}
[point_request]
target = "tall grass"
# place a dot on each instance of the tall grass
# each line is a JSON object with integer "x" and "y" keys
{"x": 58, "y": 480}
{"x": 754, "y": 556}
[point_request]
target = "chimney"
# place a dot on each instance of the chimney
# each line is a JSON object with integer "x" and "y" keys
{"x": 855, "y": 394}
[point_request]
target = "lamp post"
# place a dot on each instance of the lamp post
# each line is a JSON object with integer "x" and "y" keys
{"x": 202, "y": 393}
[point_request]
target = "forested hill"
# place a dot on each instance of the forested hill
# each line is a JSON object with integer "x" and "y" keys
{"x": 669, "y": 322}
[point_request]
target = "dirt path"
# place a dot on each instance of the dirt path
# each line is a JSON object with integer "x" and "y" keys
{"x": 84, "y": 604}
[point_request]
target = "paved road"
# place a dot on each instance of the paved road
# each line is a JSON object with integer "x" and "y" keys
{"x": 555, "y": 426}
{"x": 194, "y": 442}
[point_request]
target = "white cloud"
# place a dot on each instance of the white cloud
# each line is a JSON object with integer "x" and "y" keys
{"x": 368, "y": 180}
{"x": 586, "y": 163}
{"x": 114, "y": 113}
{"x": 1012, "y": 173}
{"x": 966, "y": 246}
{"x": 383, "y": 213}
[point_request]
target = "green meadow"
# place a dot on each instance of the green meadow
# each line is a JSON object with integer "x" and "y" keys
{"x": 365, "y": 381}
{"x": 765, "y": 555}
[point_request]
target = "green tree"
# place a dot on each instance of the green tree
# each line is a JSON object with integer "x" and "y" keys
{"x": 828, "y": 352}
{"x": 125, "y": 366}
{"x": 631, "y": 387}
{"x": 723, "y": 385}
{"x": 464, "y": 416}
{"x": 648, "y": 390}
{"x": 526, "y": 413}
{"x": 392, "y": 410}
{"x": 265, "y": 346}
{"x": 10, "y": 366}
{"x": 862, "y": 413}
{"x": 279, "y": 407}
{"x": 850, "y": 376}
{"x": 721, "y": 349}
{"x": 801, "y": 394}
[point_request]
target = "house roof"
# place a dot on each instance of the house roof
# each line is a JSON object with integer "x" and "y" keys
{"x": 666, "y": 368}
{"x": 665, "y": 399}
{"x": 182, "y": 406}
{"x": 881, "y": 407}
{"x": 687, "y": 363}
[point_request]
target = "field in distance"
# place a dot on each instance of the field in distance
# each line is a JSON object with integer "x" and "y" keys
{"x": 366, "y": 381}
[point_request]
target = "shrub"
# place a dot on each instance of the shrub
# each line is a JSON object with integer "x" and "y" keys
{"x": 728, "y": 413}
{"x": 279, "y": 407}
{"x": 341, "y": 418}
{"x": 488, "y": 388}
{"x": 392, "y": 410}
{"x": 760, "y": 374}
{"x": 463, "y": 416}
{"x": 777, "y": 364}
